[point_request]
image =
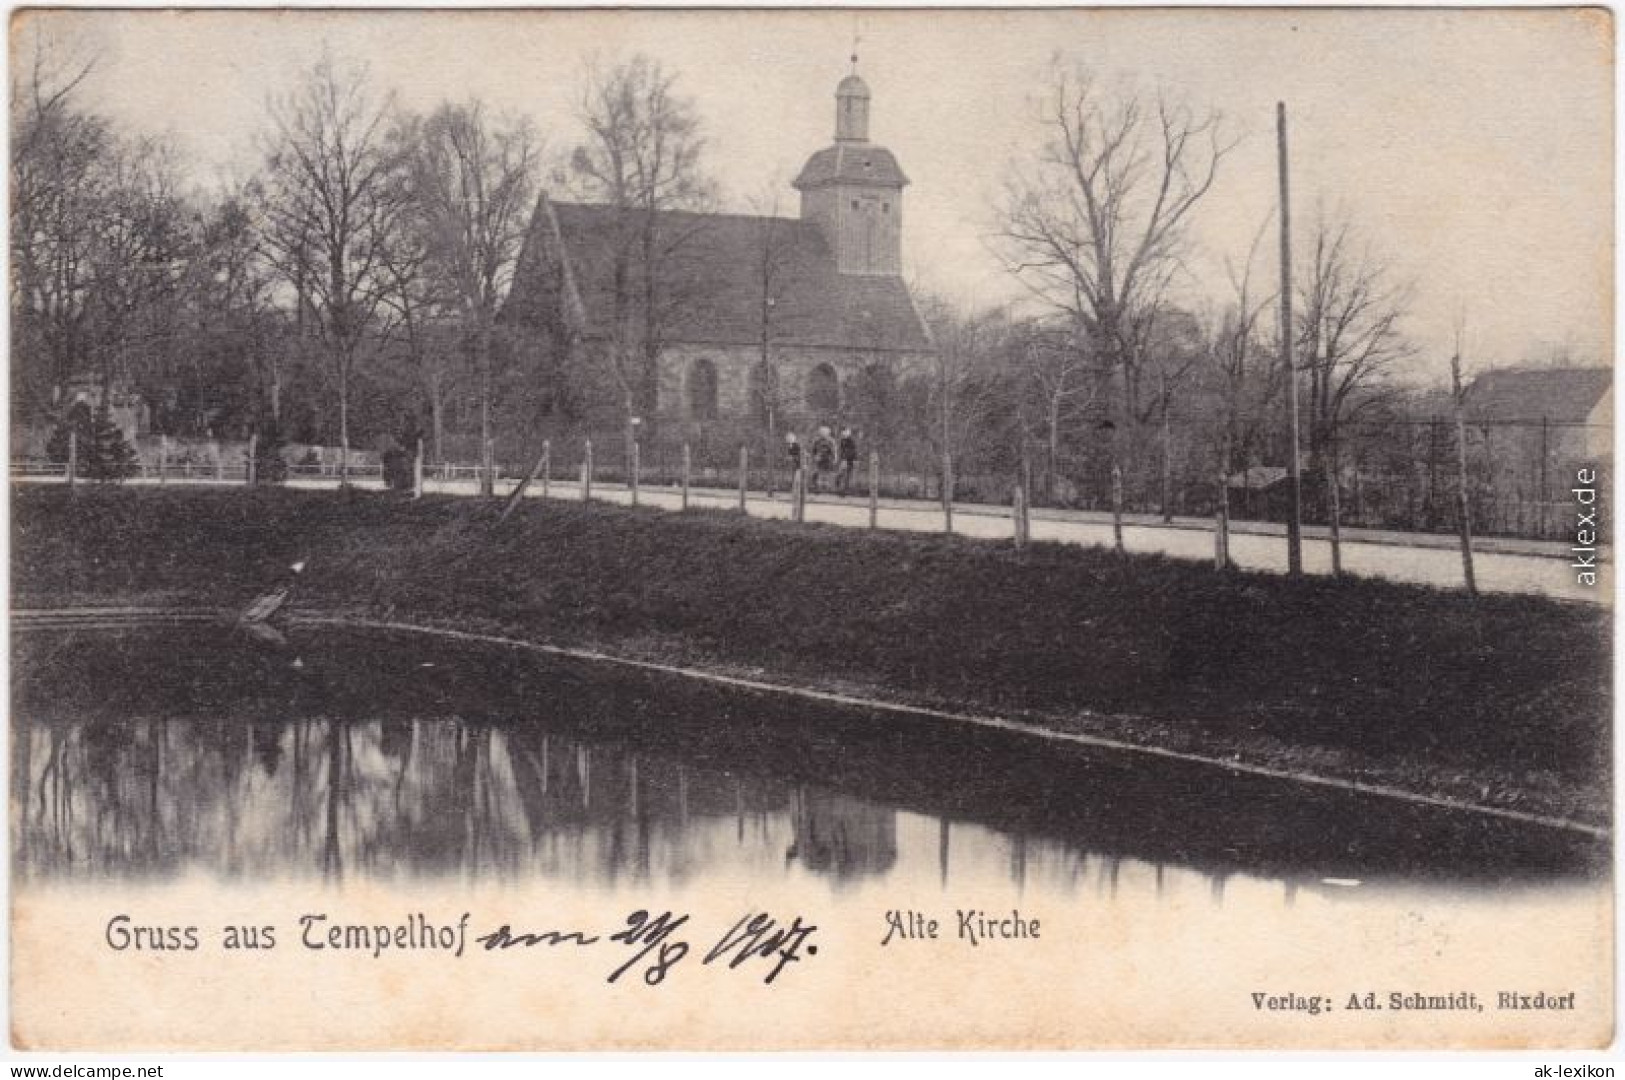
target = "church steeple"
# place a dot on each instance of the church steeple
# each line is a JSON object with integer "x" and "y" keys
{"x": 852, "y": 107}
{"x": 853, "y": 189}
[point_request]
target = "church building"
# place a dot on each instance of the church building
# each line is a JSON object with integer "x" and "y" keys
{"x": 751, "y": 320}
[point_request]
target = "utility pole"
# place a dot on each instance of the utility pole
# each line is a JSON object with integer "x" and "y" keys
{"x": 1167, "y": 458}
{"x": 1294, "y": 524}
{"x": 1331, "y": 475}
{"x": 1540, "y": 493}
{"x": 1463, "y": 503}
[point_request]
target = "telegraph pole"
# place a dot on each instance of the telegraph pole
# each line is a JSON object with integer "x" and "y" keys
{"x": 1294, "y": 523}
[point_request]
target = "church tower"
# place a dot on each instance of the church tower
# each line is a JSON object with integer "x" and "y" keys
{"x": 854, "y": 190}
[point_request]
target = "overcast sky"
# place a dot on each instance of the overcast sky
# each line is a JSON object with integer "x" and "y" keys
{"x": 1473, "y": 148}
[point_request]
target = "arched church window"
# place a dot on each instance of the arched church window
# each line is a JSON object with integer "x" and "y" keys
{"x": 823, "y": 392}
{"x": 702, "y": 390}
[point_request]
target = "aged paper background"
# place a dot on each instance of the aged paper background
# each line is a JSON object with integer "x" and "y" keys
{"x": 1176, "y": 972}
{"x": 1131, "y": 955}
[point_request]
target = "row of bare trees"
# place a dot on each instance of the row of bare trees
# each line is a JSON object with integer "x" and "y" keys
{"x": 361, "y": 267}
{"x": 396, "y": 229}
{"x": 1096, "y": 223}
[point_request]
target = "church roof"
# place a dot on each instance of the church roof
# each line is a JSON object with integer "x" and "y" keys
{"x": 852, "y": 163}
{"x": 712, "y": 271}
{"x": 1561, "y": 395}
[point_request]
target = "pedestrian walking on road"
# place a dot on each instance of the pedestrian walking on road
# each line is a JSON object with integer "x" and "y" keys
{"x": 792, "y": 450}
{"x": 823, "y": 455}
{"x": 849, "y": 461}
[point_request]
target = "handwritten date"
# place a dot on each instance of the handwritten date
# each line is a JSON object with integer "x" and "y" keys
{"x": 658, "y": 943}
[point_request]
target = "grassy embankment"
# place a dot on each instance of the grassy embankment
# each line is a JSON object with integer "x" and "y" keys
{"x": 1503, "y": 700}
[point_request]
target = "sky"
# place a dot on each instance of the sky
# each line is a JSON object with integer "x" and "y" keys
{"x": 1471, "y": 149}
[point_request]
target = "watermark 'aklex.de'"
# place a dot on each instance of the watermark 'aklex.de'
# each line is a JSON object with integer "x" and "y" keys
{"x": 1585, "y": 529}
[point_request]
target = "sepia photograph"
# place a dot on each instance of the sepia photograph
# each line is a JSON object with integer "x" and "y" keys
{"x": 811, "y": 530}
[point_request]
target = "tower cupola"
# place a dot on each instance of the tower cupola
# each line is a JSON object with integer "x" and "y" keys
{"x": 852, "y": 110}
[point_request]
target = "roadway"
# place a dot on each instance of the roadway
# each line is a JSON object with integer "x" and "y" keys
{"x": 1501, "y": 565}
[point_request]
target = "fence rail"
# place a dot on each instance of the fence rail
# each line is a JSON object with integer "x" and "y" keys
{"x": 563, "y": 474}
{"x": 1422, "y": 500}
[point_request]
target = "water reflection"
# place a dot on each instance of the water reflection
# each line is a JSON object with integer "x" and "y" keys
{"x": 154, "y": 754}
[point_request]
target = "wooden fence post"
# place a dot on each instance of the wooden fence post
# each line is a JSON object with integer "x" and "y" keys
{"x": 947, "y": 492}
{"x": 417, "y": 470}
{"x": 798, "y": 495}
{"x": 163, "y": 456}
{"x": 1167, "y": 459}
{"x": 1026, "y": 497}
{"x": 73, "y": 456}
{"x": 1221, "y": 522}
{"x": 688, "y": 464}
{"x": 637, "y": 467}
{"x": 251, "y": 471}
{"x": 520, "y": 488}
{"x": 744, "y": 477}
{"x": 874, "y": 489}
{"x": 1334, "y": 510}
{"x": 1018, "y": 508}
{"x": 1541, "y": 493}
{"x": 1463, "y": 503}
{"x": 1117, "y": 507}
{"x": 586, "y": 473}
{"x": 547, "y": 467}
{"x": 219, "y": 461}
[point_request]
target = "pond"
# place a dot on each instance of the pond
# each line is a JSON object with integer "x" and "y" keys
{"x": 347, "y": 754}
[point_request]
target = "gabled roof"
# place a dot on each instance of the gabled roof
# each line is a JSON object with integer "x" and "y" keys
{"x": 1560, "y": 395}
{"x": 851, "y": 163}
{"x": 1256, "y": 478}
{"x": 711, "y": 281}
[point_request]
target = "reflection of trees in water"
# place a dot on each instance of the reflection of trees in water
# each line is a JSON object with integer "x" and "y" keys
{"x": 841, "y": 834}
{"x": 228, "y": 782}
{"x": 155, "y": 796}
{"x": 244, "y": 795}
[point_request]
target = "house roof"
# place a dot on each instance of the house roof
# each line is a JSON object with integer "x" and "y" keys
{"x": 713, "y": 268}
{"x": 1560, "y": 395}
{"x": 1256, "y": 477}
{"x": 851, "y": 163}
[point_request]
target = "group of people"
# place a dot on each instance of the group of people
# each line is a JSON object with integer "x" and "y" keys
{"x": 829, "y": 456}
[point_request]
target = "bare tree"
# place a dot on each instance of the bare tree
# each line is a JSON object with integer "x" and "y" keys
{"x": 472, "y": 184}
{"x": 1349, "y": 336}
{"x": 966, "y": 386}
{"x": 59, "y": 180}
{"x": 100, "y": 240}
{"x": 140, "y": 251}
{"x": 1059, "y": 386}
{"x": 1242, "y": 361}
{"x": 642, "y": 157}
{"x": 413, "y": 305}
{"x": 1095, "y": 221}
{"x": 331, "y": 206}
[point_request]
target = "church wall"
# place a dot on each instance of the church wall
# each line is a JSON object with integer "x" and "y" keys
{"x": 732, "y": 364}
{"x": 793, "y": 365}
